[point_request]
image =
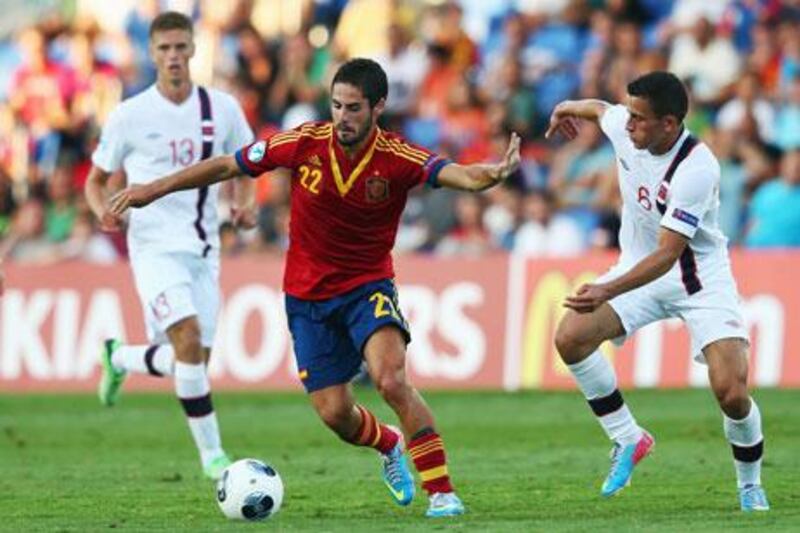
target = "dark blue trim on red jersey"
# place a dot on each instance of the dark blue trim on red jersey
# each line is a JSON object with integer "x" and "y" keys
{"x": 436, "y": 167}
{"x": 242, "y": 162}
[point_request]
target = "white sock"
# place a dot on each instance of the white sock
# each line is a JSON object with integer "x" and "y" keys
{"x": 194, "y": 392}
{"x": 156, "y": 360}
{"x": 596, "y": 379}
{"x": 747, "y": 442}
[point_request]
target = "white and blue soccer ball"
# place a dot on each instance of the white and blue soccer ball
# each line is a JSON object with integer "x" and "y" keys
{"x": 250, "y": 490}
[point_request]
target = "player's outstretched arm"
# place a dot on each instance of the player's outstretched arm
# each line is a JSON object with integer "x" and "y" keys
{"x": 565, "y": 116}
{"x": 591, "y": 296}
{"x": 204, "y": 173}
{"x": 479, "y": 177}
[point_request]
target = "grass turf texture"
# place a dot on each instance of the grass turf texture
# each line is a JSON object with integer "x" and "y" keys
{"x": 521, "y": 462}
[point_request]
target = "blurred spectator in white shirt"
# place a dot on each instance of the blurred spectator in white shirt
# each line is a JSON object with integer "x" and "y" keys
{"x": 747, "y": 100}
{"x": 502, "y": 215}
{"x": 87, "y": 244}
{"x": 405, "y": 65}
{"x": 708, "y": 62}
{"x": 544, "y": 232}
{"x": 469, "y": 237}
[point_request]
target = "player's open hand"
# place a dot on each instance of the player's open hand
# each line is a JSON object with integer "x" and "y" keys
{"x": 564, "y": 122}
{"x": 511, "y": 159}
{"x": 587, "y": 298}
{"x": 133, "y": 196}
{"x": 244, "y": 217}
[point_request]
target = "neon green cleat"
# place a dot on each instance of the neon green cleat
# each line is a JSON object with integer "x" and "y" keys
{"x": 111, "y": 379}
{"x": 213, "y": 470}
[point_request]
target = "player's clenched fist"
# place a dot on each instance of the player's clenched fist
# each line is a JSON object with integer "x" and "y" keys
{"x": 588, "y": 298}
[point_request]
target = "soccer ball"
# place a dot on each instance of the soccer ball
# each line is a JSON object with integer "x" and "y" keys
{"x": 249, "y": 489}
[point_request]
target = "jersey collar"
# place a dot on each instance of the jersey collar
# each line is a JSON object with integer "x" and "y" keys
{"x": 334, "y": 150}
{"x": 673, "y": 149}
{"x": 172, "y": 104}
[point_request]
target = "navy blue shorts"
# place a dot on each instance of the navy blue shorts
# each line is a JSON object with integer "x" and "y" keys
{"x": 329, "y": 335}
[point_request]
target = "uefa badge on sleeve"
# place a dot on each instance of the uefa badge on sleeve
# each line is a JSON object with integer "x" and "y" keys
{"x": 256, "y": 152}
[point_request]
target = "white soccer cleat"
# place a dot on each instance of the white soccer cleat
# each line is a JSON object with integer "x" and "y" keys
{"x": 753, "y": 498}
{"x": 444, "y": 504}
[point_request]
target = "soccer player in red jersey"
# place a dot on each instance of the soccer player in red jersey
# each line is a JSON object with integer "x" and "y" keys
{"x": 350, "y": 180}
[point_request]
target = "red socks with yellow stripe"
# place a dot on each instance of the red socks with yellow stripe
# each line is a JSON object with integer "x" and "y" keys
{"x": 427, "y": 451}
{"x": 374, "y": 434}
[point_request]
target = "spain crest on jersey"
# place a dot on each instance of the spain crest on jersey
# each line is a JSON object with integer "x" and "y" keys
{"x": 377, "y": 189}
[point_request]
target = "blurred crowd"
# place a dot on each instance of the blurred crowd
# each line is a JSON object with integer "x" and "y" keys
{"x": 463, "y": 74}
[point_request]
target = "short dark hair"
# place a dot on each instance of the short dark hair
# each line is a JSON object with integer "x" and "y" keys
{"x": 171, "y": 20}
{"x": 664, "y": 91}
{"x": 365, "y": 74}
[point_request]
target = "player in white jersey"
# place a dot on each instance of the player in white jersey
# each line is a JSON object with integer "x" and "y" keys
{"x": 173, "y": 243}
{"x": 673, "y": 263}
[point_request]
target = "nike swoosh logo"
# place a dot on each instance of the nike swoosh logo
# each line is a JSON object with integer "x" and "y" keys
{"x": 399, "y": 495}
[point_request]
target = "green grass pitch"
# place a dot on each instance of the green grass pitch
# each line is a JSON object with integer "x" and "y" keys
{"x": 521, "y": 462}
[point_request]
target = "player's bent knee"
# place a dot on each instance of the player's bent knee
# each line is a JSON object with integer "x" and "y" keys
{"x": 188, "y": 339}
{"x": 332, "y": 415}
{"x": 187, "y": 342}
{"x": 392, "y": 388}
{"x": 734, "y": 399}
{"x": 336, "y": 415}
{"x": 570, "y": 343}
{"x": 564, "y": 342}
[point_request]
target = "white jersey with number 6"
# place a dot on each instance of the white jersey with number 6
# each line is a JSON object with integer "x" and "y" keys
{"x": 700, "y": 288}
{"x": 691, "y": 199}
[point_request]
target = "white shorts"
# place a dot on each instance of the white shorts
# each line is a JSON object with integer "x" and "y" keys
{"x": 712, "y": 314}
{"x": 174, "y": 286}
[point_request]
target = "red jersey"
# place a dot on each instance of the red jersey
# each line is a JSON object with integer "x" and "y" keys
{"x": 344, "y": 212}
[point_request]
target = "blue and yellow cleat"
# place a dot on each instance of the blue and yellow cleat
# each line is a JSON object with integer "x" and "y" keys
{"x": 111, "y": 379}
{"x": 444, "y": 504}
{"x": 623, "y": 459}
{"x": 753, "y": 498}
{"x": 396, "y": 474}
